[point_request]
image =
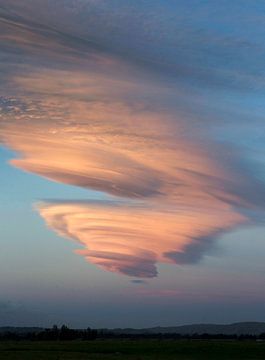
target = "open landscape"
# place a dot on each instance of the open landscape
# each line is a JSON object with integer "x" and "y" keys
{"x": 132, "y": 180}
{"x": 133, "y": 350}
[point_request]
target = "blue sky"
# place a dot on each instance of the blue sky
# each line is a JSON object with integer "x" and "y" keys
{"x": 132, "y": 162}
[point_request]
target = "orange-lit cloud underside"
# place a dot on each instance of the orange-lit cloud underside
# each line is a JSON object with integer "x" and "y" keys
{"x": 174, "y": 195}
{"x": 98, "y": 126}
{"x": 131, "y": 240}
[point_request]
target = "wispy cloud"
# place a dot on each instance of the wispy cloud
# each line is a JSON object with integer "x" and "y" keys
{"x": 91, "y": 115}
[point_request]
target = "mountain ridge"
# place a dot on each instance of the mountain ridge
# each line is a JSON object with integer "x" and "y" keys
{"x": 238, "y": 328}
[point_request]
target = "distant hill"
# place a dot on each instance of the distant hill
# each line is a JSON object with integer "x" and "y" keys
{"x": 241, "y": 328}
{"x": 20, "y": 330}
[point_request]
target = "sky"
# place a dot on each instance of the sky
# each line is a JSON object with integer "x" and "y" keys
{"x": 132, "y": 162}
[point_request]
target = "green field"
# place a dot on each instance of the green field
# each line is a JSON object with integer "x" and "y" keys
{"x": 133, "y": 350}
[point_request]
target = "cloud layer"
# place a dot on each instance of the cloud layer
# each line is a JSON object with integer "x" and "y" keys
{"x": 83, "y": 112}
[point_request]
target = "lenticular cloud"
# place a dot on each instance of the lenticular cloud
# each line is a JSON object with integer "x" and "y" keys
{"x": 173, "y": 203}
{"x": 80, "y": 112}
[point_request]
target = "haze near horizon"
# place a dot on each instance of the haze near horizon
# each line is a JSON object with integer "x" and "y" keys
{"x": 132, "y": 162}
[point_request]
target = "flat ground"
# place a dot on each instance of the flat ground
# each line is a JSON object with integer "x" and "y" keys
{"x": 133, "y": 350}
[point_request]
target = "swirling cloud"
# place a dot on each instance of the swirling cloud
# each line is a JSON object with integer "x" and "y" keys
{"x": 95, "y": 117}
{"x": 179, "y": 196}
{"x": 132, "y": 239}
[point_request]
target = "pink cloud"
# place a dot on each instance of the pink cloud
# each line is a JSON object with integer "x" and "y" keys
{"x": 90, "y": 125}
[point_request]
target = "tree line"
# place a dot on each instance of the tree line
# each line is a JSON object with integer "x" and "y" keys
{"x": 66, "y": 334}
{"x": 54, "y": 334}
{"x": 177, "y": 336}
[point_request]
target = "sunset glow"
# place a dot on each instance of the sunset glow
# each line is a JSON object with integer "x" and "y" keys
{"x": 140, "y": 127}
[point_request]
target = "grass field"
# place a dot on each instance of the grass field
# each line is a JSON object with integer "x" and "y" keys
{"x": 133, "y": 350}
